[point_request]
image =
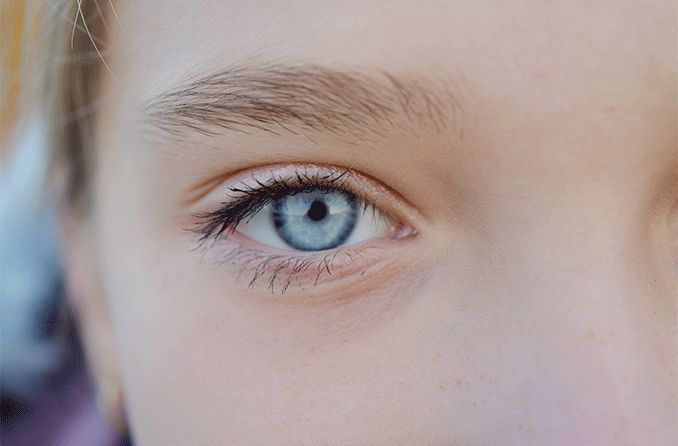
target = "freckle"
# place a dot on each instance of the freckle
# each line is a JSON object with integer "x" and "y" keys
{"x": 482, "y": 376}
{"x": 459, "y": 382}
{"x": 441, "y": 387}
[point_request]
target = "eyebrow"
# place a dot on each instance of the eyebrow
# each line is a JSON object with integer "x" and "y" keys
{"x": 304, "y": 98}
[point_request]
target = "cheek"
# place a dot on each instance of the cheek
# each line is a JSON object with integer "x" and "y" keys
{"x": 577, "y": 375}
{"x": 203, "y": 361}
{"x": 451, "y": 357}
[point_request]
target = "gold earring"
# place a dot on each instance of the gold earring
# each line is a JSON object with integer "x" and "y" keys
{"x": 110, "y": 404}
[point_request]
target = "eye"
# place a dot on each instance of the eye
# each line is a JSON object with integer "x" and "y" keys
{"x": 295, "y": 226}
{"x": 316, "y": 220}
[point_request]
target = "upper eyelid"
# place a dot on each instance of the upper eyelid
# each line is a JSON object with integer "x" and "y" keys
{"x": 208, "y": 194}
{"x": 197, "y": 194}
{"x": 213, "y": 224}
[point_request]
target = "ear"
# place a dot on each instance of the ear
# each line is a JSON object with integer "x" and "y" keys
{"x": 89, "y": 305}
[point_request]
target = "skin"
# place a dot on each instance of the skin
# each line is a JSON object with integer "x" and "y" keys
{"x": 536, "y": 303}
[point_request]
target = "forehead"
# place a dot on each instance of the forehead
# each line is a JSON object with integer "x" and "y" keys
{"x": 503, "y": 47}
{"x": 592, "y": 81}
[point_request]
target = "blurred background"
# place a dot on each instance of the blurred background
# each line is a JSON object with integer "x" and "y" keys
{"x": 45, "y": 395}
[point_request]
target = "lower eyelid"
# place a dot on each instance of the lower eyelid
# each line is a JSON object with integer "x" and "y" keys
{"x": 280, "y": 272}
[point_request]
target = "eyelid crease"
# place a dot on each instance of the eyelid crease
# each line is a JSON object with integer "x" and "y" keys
{"x": 199, "y": 190}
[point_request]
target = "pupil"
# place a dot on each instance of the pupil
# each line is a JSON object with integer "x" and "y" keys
{"x": 317, "y": 211}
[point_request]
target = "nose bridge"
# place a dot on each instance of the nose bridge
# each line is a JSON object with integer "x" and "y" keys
{"x": 560, "y": 330}
{"x": 561, "y": 293}
{"x": 578, "y": 256}
{"x": 574, "y": 258}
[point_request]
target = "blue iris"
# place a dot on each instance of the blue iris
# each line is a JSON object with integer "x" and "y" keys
{"x": 317, "y": 220}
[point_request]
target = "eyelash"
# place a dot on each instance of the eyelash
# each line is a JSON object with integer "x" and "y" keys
{"x": 286, "y": 269}
{"x": 247, "y": 199}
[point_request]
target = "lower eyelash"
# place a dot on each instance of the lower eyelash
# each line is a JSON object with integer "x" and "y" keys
{"x": 285, "y": 271}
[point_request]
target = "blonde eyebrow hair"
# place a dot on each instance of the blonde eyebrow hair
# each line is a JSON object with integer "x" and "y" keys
{"x": 302, "y": 98}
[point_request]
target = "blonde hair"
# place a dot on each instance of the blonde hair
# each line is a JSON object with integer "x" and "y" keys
{"x": 64, "y": 53}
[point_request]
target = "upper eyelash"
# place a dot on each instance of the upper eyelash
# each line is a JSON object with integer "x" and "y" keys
{"x": 247, "y": 199}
